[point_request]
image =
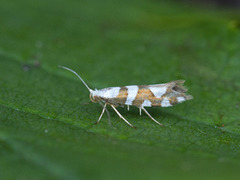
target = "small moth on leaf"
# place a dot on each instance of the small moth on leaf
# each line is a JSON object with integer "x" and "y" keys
{"x": 163, "y": 95}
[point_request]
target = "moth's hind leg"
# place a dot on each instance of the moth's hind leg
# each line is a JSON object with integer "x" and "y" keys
{"x": 122, "y": 116}
{"x": 151, "y": 116}
{"x": 140, "y": 111}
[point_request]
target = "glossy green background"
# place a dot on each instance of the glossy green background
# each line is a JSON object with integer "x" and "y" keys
{"x": 47, "y": 126}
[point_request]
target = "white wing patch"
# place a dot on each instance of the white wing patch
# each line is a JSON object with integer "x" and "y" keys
{"x": 146, "y": 103}
{"x": 158, "y": 91}
{"x": 107, "y": 92}
{"x": 180, "y": 99}
{"x": 132, "y": 93}
{"x": 165, "y": 103}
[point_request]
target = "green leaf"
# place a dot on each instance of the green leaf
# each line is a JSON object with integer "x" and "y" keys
{"x": 47, "y": 128}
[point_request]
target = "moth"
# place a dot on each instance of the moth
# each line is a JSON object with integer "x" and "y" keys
{"x": 140, "y": 96}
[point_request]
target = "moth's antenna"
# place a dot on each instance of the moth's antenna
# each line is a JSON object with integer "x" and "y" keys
{"x": 77, "y": 76}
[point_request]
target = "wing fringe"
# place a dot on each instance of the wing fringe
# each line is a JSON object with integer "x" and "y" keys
{"x": 179, "y": 88}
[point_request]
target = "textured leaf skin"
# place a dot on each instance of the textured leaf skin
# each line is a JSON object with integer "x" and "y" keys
{"x": 47, "y": 126}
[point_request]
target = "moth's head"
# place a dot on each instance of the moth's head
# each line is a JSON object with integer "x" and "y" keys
{"x": 93, "y": 97}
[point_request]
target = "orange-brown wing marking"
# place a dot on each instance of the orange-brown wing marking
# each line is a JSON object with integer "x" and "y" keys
{"x": 121, "y": 98}
{"x": 144, "y": 94}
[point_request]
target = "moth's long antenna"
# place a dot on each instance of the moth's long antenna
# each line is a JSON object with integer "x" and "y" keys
{"x": 76, "y": 75}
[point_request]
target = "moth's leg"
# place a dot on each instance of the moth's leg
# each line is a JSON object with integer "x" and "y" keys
{"x": 128, "y": 107}
{"x": 122, "y": 116}
{"x": 100, "y": 117}
{"x": 140, "y": 111}
{"x": 151, "y": 116}
{"x": 108, "y": 114}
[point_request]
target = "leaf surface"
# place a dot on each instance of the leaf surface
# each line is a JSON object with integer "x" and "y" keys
{"x": 47, "y": 128}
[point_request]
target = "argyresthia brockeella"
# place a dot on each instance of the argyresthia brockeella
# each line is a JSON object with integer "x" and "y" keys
{"x": 163, "y": 95}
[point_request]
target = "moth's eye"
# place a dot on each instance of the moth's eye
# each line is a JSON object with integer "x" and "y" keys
{"x": 92, "y": 98}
